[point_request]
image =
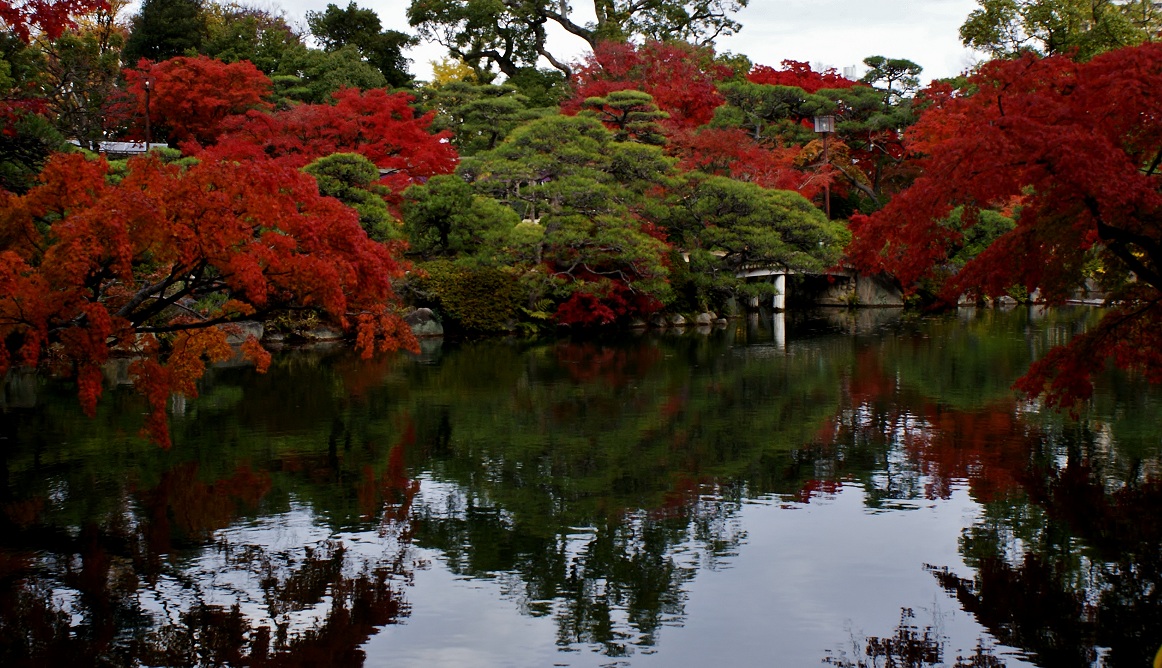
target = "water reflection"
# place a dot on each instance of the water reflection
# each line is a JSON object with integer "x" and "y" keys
{"x": 606, "y": 489}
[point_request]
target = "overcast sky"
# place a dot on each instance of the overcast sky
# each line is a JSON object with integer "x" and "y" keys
{"x": 834, "y": 33}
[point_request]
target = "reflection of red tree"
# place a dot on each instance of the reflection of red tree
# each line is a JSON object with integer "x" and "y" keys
{"x": 989, "y": 446}
{"x": 393, "y": 490}
{"x": 679, "y": 499}
{"x": 361, "y": 375}
{"x": 867, "y": 385}
{"x": 183, "y": 506}
{"x": 614, "y": 368}
{"x": 816, "y": 487}
{"x": 24, "y": 513}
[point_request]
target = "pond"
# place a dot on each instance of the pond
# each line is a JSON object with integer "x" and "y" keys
{"x": 844, "y": 488}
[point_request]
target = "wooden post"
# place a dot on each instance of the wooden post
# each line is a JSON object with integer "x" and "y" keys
{"x": 148, "y": 134}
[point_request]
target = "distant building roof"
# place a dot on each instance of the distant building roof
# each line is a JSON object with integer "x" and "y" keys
{"x": 127, "y": 147}
{"x": 122, "y": 148}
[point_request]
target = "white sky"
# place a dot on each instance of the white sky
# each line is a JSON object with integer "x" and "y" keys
{"x": 834, "y": 33}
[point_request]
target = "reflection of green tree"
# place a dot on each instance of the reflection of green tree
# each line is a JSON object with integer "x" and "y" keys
{"x": 971, "y": 359}
{"x": 583, "y": 462}
{"x": 558, "y": 449}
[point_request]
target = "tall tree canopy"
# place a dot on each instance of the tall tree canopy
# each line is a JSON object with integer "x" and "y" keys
{"x": 478, "y": 116}
{"x": 511, "y": 34}
{"x": 159, "y": 264}
{"x": 361, "y": 28}
{"x": 1006, "y": 28}
{"x": 166, "y": 28}
{"x": 80, "y": 77}
{"x": 240, "y": 32}
{"x": 1074, "y": 151}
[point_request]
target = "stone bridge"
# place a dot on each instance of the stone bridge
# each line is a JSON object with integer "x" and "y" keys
{"x": 834, "y": 287}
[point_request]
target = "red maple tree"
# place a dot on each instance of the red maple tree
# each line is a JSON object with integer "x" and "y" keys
{"x": 1076, "y": 148}
{"x": 682, "y": 78}
{"x": 734, "y": 153}
{"x": 799, "y": 74}
{"x": 381, "y": 126}
{"x": 160, "y": 265}
{"x": 190, "y": 98}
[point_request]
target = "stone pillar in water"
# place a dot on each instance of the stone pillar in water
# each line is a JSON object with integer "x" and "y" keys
{"x": 780, "y": 302}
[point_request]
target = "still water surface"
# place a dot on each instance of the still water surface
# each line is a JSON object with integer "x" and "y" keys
{"x": 845, "y": 489}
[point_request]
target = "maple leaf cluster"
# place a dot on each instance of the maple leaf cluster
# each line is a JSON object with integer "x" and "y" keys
{"x": 26, "y": 18}
{"x": 158, "y": 262}
{"x": 732, "y": 152}
{"x": 1072, "y": 150}
{"x": 800, "y": 75}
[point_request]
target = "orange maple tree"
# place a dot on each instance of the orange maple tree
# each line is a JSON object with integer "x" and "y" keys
{"x": 1077, "y": 147}
{"x": 161, "y": 265}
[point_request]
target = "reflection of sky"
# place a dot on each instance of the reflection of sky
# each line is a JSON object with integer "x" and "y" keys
{"x": 225, "y": 577}
{"x": 804, "y": 580}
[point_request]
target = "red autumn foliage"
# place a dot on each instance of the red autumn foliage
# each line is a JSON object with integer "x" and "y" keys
{"x": 681, "y": 78}
{"x": 190, "y": 98}
{"x": 1079, "y": 144}
{"x": 381, "y": 126}
{"x": 50, "y": 17}
{"x": 184, "y": 505}
{"x": 588, "y": 362}
{"x": 989, "y": 446}
{"x": 603, "y": 304}
{"x": 160, "y": 264}
{"x": 393, "y": 491}
{"x": 800, "y": 75}
{"x": 734, "y": 153}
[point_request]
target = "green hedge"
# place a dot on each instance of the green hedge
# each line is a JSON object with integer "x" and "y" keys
{"x": 472, "y": 298}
